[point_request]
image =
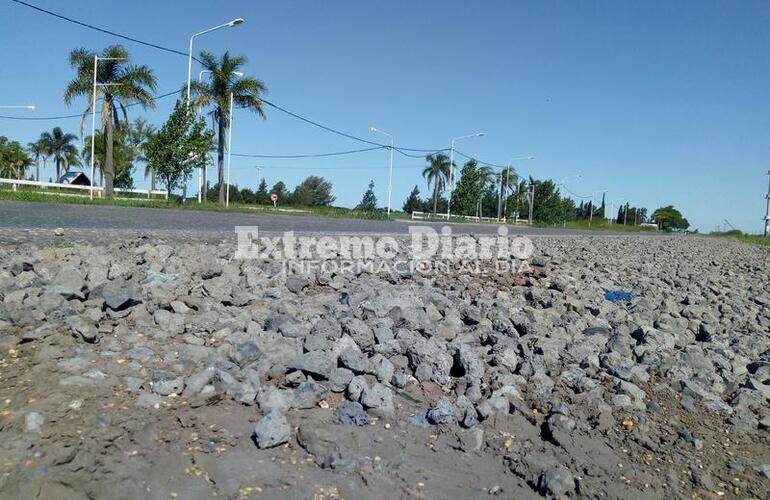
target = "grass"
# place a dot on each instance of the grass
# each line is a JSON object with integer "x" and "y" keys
{"x": 134, "y": 200}
{"x": 739, "y": 235}
{"x": 601, "y": 225}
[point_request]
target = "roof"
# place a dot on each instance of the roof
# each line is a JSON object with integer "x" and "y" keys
{"x": 77, "y": 178}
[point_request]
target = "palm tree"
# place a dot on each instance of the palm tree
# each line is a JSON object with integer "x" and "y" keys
{"x": 436, "y": 173}
{"x": 61, "y": 148}
{"x": 138, "y": 134}
{"x": 128, "y": 83}
{"x": 14, "y": 159}
{"x": 38, "y": 151}
{"x": 215, "y": 93}
{"x": 486, "y": 177}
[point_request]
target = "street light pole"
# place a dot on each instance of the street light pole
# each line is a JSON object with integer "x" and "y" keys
{"x": 452, "y": 169}
{"x": 507, "y": 185}
{"x": 390, "y": 169}
{"x": 230, "y": 24}
{"x": 767, "y": 212}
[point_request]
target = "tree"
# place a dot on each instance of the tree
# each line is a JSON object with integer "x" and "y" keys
{"x": 466, "y": 195}
{"x": 313, "y": 192}
{"x": 369, "y": 200}
{"x": 413, "y": 203}
{"x": 669, "y": 218}
{"x": 436, "y": 173}
{"x": 138, "y": 133}
{"x": 178, "y": 146}
{"x": 61, "y": 147}
{"x": 279, "y": 189}
{"x": 216, "y": 92}
{"x": 128, "y": 84}
{"x": 14, "y": 159}
{"x": 261, "y": 196}
{"x": 38, "y": 151}
{"x": 123, "y": 157}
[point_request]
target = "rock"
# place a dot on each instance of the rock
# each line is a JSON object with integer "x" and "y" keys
{"x": 356, "y": 361}
{"x": 339, "y": 379}
{"x": 33, "y": 422}
{"x": 84, "y": 329}
{"x": 443, "y": 412}
{"x": 382, "y": 368}
{"x": 688, "y": 438}
{"x": 556, "y": 482}
{"x": 316, "y": 363}
{"x": 296, "y": 283}
{"x": 378, "y": 399}
{"x": 271, "y": 430}
{"x": 119, "y": 295}
{"x": 69, "y": 283}
{"x": 351, "y": 413}
{"x": 246, "y": 353}
{"x": 148, "y": 400}
{"x": 308, "y": 394}
{"x": 164, "y": 383}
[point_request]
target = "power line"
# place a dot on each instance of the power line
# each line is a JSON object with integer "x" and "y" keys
{"x": 102, "y": 30}
{"x": 63, "y": 117}
{"x": 310, "y": 155}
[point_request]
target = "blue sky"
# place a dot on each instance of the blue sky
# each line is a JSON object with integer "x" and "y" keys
{"x": 656, "y": 102}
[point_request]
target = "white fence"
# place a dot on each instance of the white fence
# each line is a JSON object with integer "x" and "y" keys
{"x": 97, "y": 190}
{"x": 426, "y": 216}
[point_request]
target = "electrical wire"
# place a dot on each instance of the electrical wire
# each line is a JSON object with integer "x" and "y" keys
{"x": 102, "y": 30}
{"x": 311, "y": 155}
{"x": 62, "y": 117}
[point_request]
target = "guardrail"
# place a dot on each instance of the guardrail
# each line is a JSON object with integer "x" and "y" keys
{"x": 96, "y": 189}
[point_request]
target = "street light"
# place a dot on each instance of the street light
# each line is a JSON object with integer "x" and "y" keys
{"x": 507, "y": 183}
{"x": 93, "y": 117}
{"x": 390, "y": 170}
{"x": 30, "y": 108}
{"x": 452, "y": 169}
{"x": 230, "y": 24}
{"x": 237, "y": 74}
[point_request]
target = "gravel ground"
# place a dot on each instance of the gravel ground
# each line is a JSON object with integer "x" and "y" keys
{"x": 159, "y": 366}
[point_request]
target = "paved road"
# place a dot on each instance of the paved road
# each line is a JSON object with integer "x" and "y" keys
{"x": 34, "y": 215}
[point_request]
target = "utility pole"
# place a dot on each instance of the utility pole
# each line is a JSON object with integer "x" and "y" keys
{"x": 259, "y": 175}
{"x": 767, "y": 212}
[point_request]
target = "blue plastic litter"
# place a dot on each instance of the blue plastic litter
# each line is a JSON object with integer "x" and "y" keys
{"x": 618, "y": 296}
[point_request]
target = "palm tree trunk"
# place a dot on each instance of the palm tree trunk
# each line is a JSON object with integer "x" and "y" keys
{"x": 37, "y": 171}
{"x": 58, "y": 169}
{"x": 152, "y": 180}
{"x": 109, "y": 171}
{"x": 435, "y": 196}
{"x": 221, "y": 159}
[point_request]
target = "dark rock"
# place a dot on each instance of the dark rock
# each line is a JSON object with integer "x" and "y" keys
{"x": 271, "y": 430}
{"x": 351, "y": 413}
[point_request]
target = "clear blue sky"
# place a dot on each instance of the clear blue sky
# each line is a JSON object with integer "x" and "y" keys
{"x": 656, "y": 102}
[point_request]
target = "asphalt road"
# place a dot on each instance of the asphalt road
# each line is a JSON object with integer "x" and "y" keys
{"x": 36, "y": 215}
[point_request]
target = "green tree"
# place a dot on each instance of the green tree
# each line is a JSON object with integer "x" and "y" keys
{"x": 123, "y": 157}
{"x": 138, "y": 133}
{"x": 215, "y": 93}
{"x": 314, "y": 191}
{"x": 61, "y": 147}
{"x": 261, "y": 196}
{"x": 14, "y": 159}
{"x": 413, "y": 203}
{"x": 669, "y": 218}
{"x": 178, "y": 146}
{"x": 38, "y": 152}
{"x": 437, "y": 174}
{"x": 369, "y": 201}
{"x": 466, "y": 195}
{"x": 128, "y": 84}
{"x": 279, "y": 189}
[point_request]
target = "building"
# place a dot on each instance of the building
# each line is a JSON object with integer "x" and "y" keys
{"x": 75, "y": 179}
